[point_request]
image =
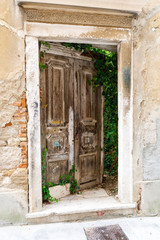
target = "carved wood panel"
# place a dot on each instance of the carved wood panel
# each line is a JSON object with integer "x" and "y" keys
{"x": 56, "y": 168}
{"x": 56, "y": 84}
{"x": 88, "y": 167}
{"x": 87, "y": 146}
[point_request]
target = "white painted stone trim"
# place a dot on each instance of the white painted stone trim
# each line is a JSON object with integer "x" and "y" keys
{"x": 125, "y": 123}
{"x": 34, "y": 136}
{"x": 83, "y": 34}
{"x": 119, "y": 5}
{"x": 86, "y": 209}
{"x": 71, "y": 33}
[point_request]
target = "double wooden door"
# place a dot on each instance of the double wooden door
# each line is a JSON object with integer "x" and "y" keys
{"x": 70, "y": 117}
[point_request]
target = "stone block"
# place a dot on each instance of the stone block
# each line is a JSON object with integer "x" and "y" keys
{"x": 151, "y": 163}
{"x": 59, "y": 191}
{"x": 15, "y": 50}
{"x": 10, "y": 157}
{"x": 13, "y": 141}
{"x": 150, "y": 198}
{"x": 8, "y": 132}
{"x": 20, "y": 178}
{"x": 14, "y": 206}
{"x": 11, "y": 13}
{"x": 3, "y": 143}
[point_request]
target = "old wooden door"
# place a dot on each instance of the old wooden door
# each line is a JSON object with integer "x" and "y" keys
{"x": 70, "y": 116}
{"x": 87, "y": 110}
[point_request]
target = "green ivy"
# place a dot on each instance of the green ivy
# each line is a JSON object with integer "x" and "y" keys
{"x": 42, "y": 54}
{"x": 45, "y": 187}
{"x": 70, "y": 179}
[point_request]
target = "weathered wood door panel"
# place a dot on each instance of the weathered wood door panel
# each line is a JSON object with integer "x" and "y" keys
{"x": 70, "y": 124}
{"x": 87, "y": 147}
{"x": 56, "y": 84}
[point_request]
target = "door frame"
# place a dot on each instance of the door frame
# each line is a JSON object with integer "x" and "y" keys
{"x": 120, "y": 37}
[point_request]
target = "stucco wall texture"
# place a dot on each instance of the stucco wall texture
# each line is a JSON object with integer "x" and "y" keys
{"x": 146, "y": 108}
{"x": 13, "y": 161}
{"x": 13, "y": 112}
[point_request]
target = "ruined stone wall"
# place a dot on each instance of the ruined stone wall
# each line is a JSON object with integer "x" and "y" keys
{"x": 13, "y": 115}
{"x": 146, "y": 80}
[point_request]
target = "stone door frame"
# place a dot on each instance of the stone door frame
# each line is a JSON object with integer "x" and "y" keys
{"x": 117, "y": 37}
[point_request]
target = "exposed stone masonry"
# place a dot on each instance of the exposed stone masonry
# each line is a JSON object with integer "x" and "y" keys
{"x": 20, "y": 118}
{"x": 14, "y": 175}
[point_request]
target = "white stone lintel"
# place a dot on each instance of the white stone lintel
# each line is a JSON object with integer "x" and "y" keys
{"x": 129, "y": 6}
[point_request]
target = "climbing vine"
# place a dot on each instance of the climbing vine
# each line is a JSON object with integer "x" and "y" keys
{"x": 45, "y": 189}
{"x": 42, "y": 66}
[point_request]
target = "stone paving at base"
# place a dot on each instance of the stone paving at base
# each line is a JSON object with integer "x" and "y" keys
{"x": 135, "y": 229}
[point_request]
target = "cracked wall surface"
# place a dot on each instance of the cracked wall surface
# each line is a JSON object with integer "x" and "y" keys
{"x": 146, "y": 112}
{"x": 13, "y": 115}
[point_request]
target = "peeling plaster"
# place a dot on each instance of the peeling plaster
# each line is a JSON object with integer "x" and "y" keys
{"x": 19, "y": 33}
{"x": 126, "y": 77}
{"x": 151, "y": 159}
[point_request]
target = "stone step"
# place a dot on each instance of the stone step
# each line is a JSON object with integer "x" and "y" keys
{"x": 81, "y": 209}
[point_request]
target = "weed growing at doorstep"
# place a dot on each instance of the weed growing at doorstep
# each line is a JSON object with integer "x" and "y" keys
{"x": 45, "y": 190}
{"x": 70, "y": 179}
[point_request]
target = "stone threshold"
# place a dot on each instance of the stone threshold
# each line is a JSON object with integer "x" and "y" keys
{"x": 81, "y": 209}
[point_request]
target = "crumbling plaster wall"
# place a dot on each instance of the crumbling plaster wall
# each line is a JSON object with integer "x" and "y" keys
{"x": 146, "y": 111}
{"x": 13, "y": 115}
